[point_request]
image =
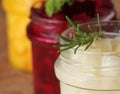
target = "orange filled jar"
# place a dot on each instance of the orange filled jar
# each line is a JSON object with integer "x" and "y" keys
{"x": 17, "y": 19}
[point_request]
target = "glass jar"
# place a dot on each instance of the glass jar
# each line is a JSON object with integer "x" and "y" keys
{"x": 17, "y": 19}
{"x": 42, "y": 31}
{"x": 95, "y": 70}
{"x": 43, "y": 34}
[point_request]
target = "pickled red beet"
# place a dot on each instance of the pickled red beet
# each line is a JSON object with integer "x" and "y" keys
{"x": 78, "y": 8}
{"x": 58, "y": 16}
{"x": 82, "y": 17}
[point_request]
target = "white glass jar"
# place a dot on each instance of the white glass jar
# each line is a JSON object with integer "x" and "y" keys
{"x": 95, "y": 70}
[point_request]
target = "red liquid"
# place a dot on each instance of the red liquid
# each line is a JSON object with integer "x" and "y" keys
{"x": 43, "y": 33}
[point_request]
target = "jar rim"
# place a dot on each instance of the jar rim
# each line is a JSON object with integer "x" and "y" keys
{"x": 106, "y": 33}
{"x": 107, "y": 16}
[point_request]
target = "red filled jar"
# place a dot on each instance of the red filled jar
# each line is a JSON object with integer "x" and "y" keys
{"x": 43, "y": 30}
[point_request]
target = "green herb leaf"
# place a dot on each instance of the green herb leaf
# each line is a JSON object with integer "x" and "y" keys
{"x": 54, "y": 6}
{"x": 80, "y": 37}
{"x": 71, "y": 22}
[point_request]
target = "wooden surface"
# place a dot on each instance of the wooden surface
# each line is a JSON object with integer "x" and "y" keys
{"x": 11, "y": 80}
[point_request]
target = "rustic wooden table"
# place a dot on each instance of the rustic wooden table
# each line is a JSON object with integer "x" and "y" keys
{"x": 11, "y": 81}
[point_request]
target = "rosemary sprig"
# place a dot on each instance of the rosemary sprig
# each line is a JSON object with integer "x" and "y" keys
{"x": 80, "y": 37}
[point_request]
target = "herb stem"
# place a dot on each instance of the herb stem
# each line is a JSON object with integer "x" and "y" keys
{"x": 81, "y": 37}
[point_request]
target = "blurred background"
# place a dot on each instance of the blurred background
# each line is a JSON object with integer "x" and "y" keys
{"x": 12, "y": 81}
{"x": 17, "y": 78}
